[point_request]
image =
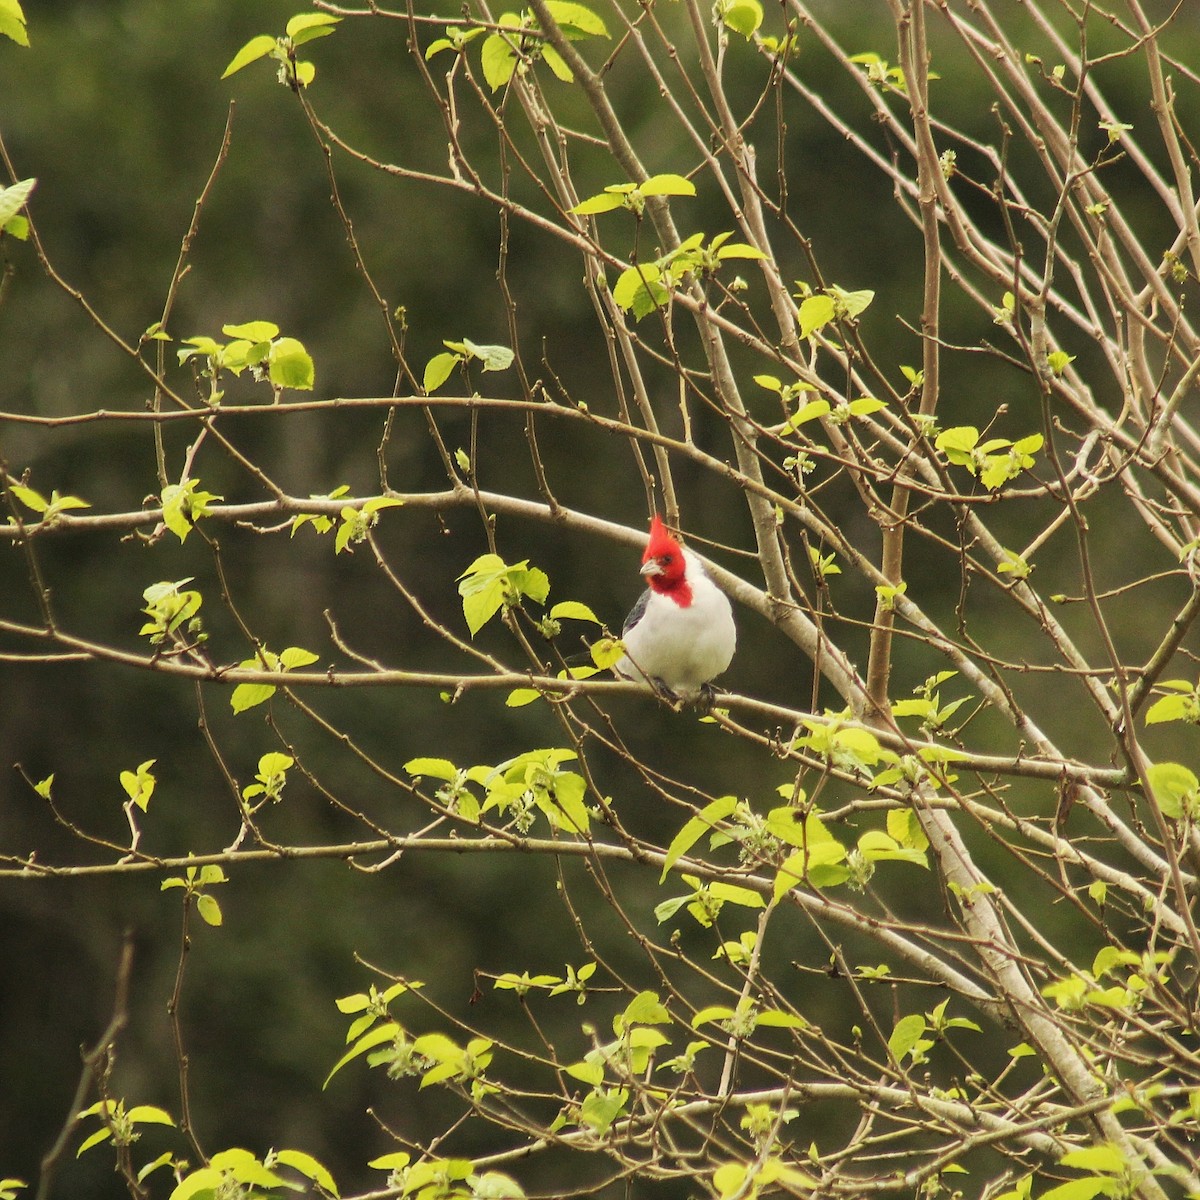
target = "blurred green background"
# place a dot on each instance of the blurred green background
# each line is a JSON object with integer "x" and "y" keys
{"x": 118, "y": 110}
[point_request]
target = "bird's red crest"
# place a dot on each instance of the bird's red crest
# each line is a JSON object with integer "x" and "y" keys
{"x": 661, "y": 540}
{"x": 664, "y": 565}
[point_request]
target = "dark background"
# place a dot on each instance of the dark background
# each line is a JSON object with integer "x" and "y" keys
{"x": 118, "y": 111}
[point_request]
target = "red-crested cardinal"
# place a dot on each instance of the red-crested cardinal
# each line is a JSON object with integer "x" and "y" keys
{"x": 680, "y": 634}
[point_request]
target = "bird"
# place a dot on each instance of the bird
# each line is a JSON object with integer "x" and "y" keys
{"x": 680, "y": 634}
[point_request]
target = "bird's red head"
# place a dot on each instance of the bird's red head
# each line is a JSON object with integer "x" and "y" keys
{"x": 663, "y": 564}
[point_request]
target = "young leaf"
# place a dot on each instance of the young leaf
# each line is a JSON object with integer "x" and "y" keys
{"x": 208, "y": 908}
{"x": 375, "y": 1037}
{"x": 907, "y": 1033}
{"x": 305, "y": 26}
{"x": 438, "y": 369}
{"x": 573, "y": 610}
{"x": 742, "y": 16}
{"x": 499, "y": 61}
{"x": 432, "y": 768}
{"x": 601, "y": 203}
{"x": 492, "y": 358}
{"x": 290, "y": 365}
{"x": 249, "y": 695}
{"x": 252, "y": 331}
{"x": 253, "y": 50}
{"x": 12, "y": 25}
{"x": 815, "y": 312}
{"x": 638, "y": 289}
{"x": 296, "y": 1159}
{"x": 1174, "y": 787}
{"x": 695, "y": 828}
{"x": 667, "y": 185}
{"x": 29, "y": 498}
{"x": 577, "y": 16}
{"x": 295, "y": 656}
{"x": 556, "y": 63}
{"x": 12, "y": 199}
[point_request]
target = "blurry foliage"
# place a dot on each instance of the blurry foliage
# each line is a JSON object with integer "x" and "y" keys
{"x": 118, "y": 111}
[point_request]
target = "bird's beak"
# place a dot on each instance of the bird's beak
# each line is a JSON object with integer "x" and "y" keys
{"x": 651, "y": 567}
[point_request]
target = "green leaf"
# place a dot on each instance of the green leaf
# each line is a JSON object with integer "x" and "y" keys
{"x": 696, "y": 828}
{"x": 296, "y": 656}
{"x": 601, "y": 203}
{"x": 438, "y": 370}
{"x": 958, "y": 441}
{"x": 29, "y": 498}
{"x": 375, "y": 1037}
{"x": 481, "y": 586}
{"x": 499, "y": 61}
{"x": 639, "y": 289}
{"x": 308, "y": 1166}
{"x": 275, "y": 763}
{"x": 396, "y": 1161}
{"x": 492, "y": 358}
{"x": 557, "y": 64}
{"x": 573, "y": 610}
{"x": 713, "y": 1012}
{"x": 1078, "y": 1189}
{"x": 850, "y": 304}
{"x": 877, "y": 846}
{"x": 667, "y": 185}
{"x": 780, "y": 1020}
{"x": 591, "y": 1073}
{"x": 101, "y": 1135}
{"x": 908, "y": 1031}
{"x": 12, "y": 25}
{"x": 1174, "y": 786}
{"x": 149, "y": 1114}
{"x": 866, "y": 406}
{"x": 12, "y": 199}
{"x": 291, "y": 365}
{"x": 253, "y": 50}
{"x": 607, "y": 652}
{"x": 739, "y": 250}
{"x": 577, "y": 16}
{"x": 600, "y": 1109}
{"x": 209, "y": 909}
{"x": 432, "y": 768}
{"x": 174, "y": 500}
{"x": 736, "y": 895}
{"x": 206, "y": 1179}
{"x": 743, "y": 16}
{"x": 807, "y": 412}
{"x": 644, "y": 1009}
{"x": 1172, "y": 708}
{"x": 250, "y": 695}
{"x": 815, "y": 312}
{"x": 305, "y": 26}
{"x": 139, "y": 784}
{"x": 252, "y": 331}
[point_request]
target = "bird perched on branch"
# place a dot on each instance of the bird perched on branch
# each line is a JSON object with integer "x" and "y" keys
{"x": 680, "y": 635}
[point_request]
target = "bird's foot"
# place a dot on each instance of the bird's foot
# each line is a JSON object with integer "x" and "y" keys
{"x": 666, "y": 695}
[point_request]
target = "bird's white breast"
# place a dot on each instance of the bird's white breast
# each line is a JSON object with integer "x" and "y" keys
{"x": 683, "y": 647}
